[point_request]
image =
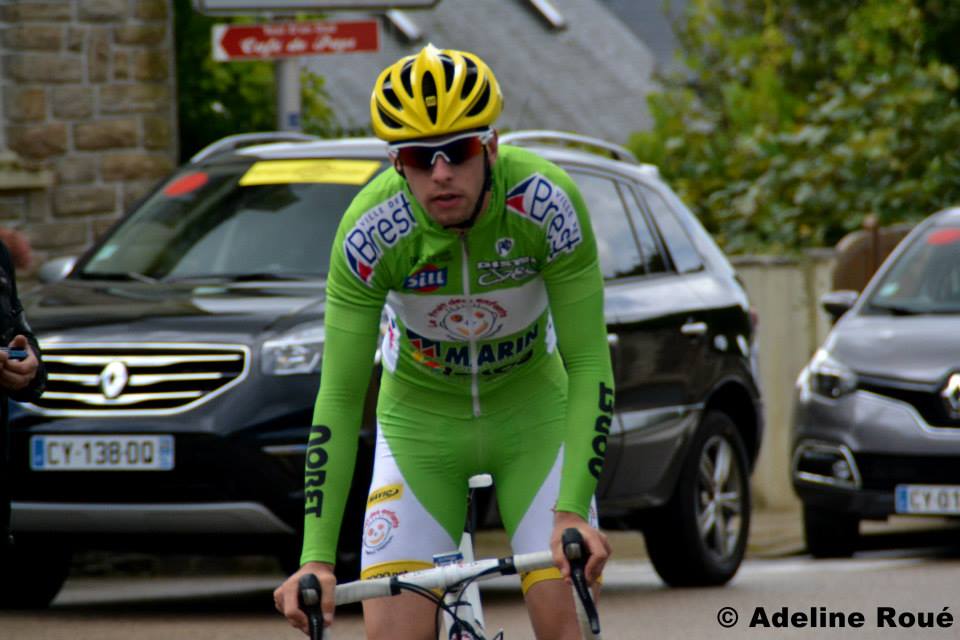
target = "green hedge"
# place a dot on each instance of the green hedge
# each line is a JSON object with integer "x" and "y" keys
{"x": 799, "y": 118}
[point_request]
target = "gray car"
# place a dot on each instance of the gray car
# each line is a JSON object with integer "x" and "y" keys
{"x": 877, "y": 422}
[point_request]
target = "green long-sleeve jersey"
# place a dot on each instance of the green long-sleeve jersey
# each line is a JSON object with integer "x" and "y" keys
{"x": 475, "y": 323}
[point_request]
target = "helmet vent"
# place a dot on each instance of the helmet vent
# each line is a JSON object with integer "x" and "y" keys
{"x": 469, "y": 79}
{"x": 387, "y": 120}
{"x": 405, "y": 78}
{"x": 481, "y": 103}
{"x": 448, "y": 71}
{"x": 391, "y": 96}
{"x": 430, "y": 96}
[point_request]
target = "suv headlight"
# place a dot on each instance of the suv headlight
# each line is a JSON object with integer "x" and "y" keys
{"x": 297, "y": 351}
{"x": 829, "y": 377}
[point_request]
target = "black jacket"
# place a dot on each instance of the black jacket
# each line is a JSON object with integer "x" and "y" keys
{"x": 12, "y": 323}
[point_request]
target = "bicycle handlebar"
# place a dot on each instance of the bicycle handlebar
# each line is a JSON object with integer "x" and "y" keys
{"x": 446, "y": 576}
{"x": 577, "y": 555}
{"x": 308, "y": 597}
{"x": 442, "y": 577}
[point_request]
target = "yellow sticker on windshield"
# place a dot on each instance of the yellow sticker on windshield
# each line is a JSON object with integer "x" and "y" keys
{"x": 327, "y": 171}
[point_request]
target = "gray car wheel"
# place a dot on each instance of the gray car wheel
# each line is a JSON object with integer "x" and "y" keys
{"x": 830, "y": 534}
{"x": 700, "y": 536}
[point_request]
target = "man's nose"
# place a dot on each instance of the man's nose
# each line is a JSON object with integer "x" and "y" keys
{"x": 441, "y": 169}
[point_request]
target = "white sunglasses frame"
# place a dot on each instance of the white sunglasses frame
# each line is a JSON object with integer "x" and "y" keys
{"x": 485, "y": 137}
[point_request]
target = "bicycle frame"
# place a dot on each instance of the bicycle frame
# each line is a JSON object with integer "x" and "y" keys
{"x": 466, "y": 602}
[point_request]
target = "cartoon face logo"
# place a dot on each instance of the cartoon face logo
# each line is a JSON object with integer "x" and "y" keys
{"x": 464, "y": 319}
{"x": 503, "y": 246}
{"x": 378, "y": 529}
{"x": 469, "y": 323}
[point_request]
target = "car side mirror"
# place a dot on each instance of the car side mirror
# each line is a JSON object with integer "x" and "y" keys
{"x": 837, "y": 303}
{"x": 56, "y": 269}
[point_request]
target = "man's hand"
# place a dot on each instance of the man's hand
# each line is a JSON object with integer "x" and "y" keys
{"x": 17, "y": 374}
{"x": 286, "y": 601}
{"x": 595, "y": 540}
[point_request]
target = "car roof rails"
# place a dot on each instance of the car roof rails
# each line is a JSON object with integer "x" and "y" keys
{"x": 617, "y": 151}
{"x": 236, "y": 141}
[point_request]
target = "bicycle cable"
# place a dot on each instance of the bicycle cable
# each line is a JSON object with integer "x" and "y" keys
{"x": 441, "y": 605}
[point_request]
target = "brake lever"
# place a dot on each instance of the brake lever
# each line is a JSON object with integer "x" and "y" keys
{"x": 308, "y": 598}
{"x": 577, "y": 554}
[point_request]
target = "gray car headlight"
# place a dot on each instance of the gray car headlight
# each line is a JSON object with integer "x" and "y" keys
{"x": 829, "y": 377}
{"x": 297, "y": 351}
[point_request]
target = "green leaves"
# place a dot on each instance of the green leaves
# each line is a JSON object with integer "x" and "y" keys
{"x": 803, "y": 117}
{"x": 217, "y": 99}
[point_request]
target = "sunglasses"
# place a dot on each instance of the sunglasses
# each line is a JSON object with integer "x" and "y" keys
{"x": 455, "y": 150}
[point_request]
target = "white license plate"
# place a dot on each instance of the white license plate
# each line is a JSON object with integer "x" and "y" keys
{"x": 928, "y": 499}
{"x": 101, "y": 453}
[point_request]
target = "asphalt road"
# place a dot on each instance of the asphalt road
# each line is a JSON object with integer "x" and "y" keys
{"x": 903, "y": 576}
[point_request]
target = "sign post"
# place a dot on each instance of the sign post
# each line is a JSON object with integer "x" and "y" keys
{"x": 284, "y": 42}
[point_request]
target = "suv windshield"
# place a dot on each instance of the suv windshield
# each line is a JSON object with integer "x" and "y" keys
{"x": 926, "y": 277}
{"x": 212, "y": 222}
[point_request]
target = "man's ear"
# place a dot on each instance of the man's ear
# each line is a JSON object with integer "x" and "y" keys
{"x": 492, "y": 147}
{"x": 398, "y": 167}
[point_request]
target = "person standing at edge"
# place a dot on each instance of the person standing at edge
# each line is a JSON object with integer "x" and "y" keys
{"x": 486, "y": 260}
{"x": 21, "y": 380}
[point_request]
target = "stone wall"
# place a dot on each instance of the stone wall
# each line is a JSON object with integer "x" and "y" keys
{"x": 785, "y": 293}
{"x": 88, "y": 98}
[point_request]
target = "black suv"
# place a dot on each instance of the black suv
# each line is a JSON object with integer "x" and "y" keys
{"x": 183, "y": 352}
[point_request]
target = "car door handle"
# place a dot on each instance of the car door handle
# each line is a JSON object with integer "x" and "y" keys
{"x": 694, "y": 329}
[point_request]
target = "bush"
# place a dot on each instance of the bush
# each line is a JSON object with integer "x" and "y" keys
{"x": 801, "y": 118}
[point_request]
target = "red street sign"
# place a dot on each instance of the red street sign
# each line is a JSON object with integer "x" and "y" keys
{"x": 289, "y": 39}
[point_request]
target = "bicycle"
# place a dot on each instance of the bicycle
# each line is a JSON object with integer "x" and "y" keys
{"x": 457, "y": 575}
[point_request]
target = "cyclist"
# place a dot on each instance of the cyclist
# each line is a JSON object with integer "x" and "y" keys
{"x": 484, "y": 264}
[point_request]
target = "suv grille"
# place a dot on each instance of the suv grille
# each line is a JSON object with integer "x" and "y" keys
{"x": 884, "y": 472}
{"x": 927, "y": 402}
{"x": 137, "y": 379}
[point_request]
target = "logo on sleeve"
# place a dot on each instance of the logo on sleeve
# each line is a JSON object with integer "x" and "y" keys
{"x": 543, "y": 202}
{"x": 375, "y": 231}
{"x": 426, "y": 279}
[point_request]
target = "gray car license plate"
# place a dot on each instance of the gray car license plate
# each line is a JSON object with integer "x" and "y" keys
{"x": 928, "y": 499}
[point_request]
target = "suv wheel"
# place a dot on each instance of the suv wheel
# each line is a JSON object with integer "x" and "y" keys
{"x": 32, "y": 571}
{"x": 830, "y": 534}
{"x": 700, "y": 536}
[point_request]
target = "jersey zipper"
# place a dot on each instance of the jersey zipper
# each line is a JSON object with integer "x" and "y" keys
{"x": 472, "y": 344}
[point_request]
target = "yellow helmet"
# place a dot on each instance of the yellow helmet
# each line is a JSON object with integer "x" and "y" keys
{"x": 434, "y": 93}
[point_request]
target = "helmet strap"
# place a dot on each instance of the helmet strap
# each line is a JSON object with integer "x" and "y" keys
{"x": 487, "y": 183}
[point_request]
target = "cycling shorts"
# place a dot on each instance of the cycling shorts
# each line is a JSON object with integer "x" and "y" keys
{"x": 418, "y": 494}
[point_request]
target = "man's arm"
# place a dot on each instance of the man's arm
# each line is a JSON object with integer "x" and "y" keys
{"x": 351, "y": 341}
{"x": 354, "y": 304}
{"x": 575, "y": 289}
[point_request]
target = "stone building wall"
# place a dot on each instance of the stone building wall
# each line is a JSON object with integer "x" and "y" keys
{"x": 88, "y": 114}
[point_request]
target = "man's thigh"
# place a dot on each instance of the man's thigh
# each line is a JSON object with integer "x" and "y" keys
{"x": 416, "y": 506}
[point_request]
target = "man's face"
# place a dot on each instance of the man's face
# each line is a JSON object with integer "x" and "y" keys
{"x": 447, "y": 190}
